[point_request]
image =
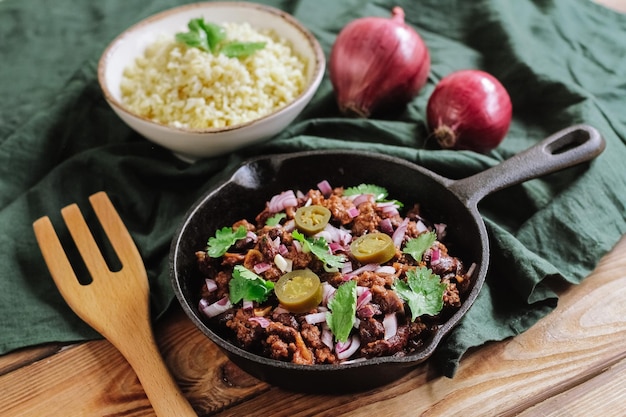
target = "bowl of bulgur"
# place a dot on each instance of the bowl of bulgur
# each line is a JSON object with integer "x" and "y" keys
{"x": 205, "y": 79}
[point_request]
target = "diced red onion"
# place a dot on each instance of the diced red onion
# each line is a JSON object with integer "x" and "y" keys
{"x": 315, "y": 318}
{"x": 299, "y": 194}
{"x": 364, "y": 268}
{"x": 247, "y": 305}
{"x": 282, "y": 249}
{"x": 284, "y": 264}
{"x": 290, "y": 225}
{"x": 251, "y": 236}
{"x": 388, "y": 208}
{"x": 325, "y": 188}
{"x": 346, "y": 268}
{"x": 386, "y": 269}
{"x": 344, "y": 350}
{"x": 263, "y": 321}
{"x": 296, "y": 244}
{"x": 366, "y": 311}
{"x": 261, "y": 267}
{"x": 398, "y": 234}
{"x": 335, "y": 247}
{"x": 281, "y": 310}
{"x": 211, "y": 285}
{"x": 362, "y": 198}
{"x": 327, "y": 336}
{"x": 218, "y": 307}
{"x": 364, "y": 298}
{"x": 328, "y": 292}
{"x": 440, "y": 230}
{"x": 390, "y": 323}
{"x": 435, "y": 256}
{"x": 386, "y": 226}
{"x": 281, "y": 201}
{"x": 353, "y": 212}
{"x": 420, "y": 226}
{"x": 335, "y": 234}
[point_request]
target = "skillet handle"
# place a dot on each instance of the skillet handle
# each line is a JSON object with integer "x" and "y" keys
{"x": 563, "y": 149}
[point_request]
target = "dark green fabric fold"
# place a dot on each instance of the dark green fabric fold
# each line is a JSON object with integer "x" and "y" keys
{"x": 563, "y": 63}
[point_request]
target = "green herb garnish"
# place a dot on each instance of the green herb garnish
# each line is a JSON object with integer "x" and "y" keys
{"x": 275, "y": 219}
{"x": 223, "y": 240}
{"x": 320, "y": 249}
{"x": 246, "y": 285}
{"x": 422, "y": 291}
{"x": 342, "y": 307}
{"x": 418, "y": 245}
{"x": 210, "y": 37}
{"x": 380, "y": 193}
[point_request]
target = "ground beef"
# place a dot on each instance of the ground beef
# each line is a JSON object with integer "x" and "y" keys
{"x": 370, "y": 330}
{"x": 285, "y": 341}
{"x": 247, "y": 333}
{"x": 312, "y": 337}
{"x": 367, "y": 220}
{"x": 272, "y": 331}
{"x": 387, "y": 300}
{"x": 391, "y": 346}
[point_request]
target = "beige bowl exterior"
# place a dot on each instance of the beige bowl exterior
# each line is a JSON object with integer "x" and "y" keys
{"x": 194, "y": 144}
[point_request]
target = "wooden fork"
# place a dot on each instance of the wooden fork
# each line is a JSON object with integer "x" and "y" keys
{"x": 116, "y": 304}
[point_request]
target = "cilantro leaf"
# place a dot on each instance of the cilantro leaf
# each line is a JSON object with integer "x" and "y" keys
{"x": 275, "y": 219}
{"x": 342, "y": 307}
{"x": 380, "y": 193}
{"x": 241, "y": 49}
{"x": 422, "y": 291}
{"x": 418, "y": 245}
{"x": 320, "y": 249}
{"x": 223, "y": 240}
{"x": 210, "y": 37}
{"x": 246, "y": 285}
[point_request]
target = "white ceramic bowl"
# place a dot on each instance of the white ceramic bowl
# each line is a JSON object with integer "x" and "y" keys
{"x": 193, "y": 144}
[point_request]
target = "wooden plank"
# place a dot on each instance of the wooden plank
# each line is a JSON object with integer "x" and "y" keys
{"x": 23, "y": 357}
{"x": 603, "y": 395}
{"x": 564, "y": 351}
{"x": 94, "y": 379}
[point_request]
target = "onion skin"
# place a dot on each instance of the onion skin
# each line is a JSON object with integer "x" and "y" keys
{"x": 469, "y": 109}
{"x": 376, "y": 63}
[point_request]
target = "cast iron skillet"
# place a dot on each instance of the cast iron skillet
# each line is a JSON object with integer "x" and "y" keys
{"x": 453, "y": 202}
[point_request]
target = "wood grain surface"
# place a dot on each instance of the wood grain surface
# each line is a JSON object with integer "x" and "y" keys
{"x": 570, "y": 363}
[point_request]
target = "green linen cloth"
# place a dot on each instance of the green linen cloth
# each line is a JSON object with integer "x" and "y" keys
{"x": 563, "y": 63}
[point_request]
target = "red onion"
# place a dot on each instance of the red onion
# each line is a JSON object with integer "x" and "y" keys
{"x": 315, "y": 318}
{"x": 398, "y": 235}
{"x": 344, "y": 350}
{"x": 376, "y": 63}
{"x": 281, "y": 201}
{"x": 218, "y": 307}
{"x": 325, "y": 188}
{"x": 262, "y": 321}
{"x": 390, "y": 324}
{"x": 469, "y": 109}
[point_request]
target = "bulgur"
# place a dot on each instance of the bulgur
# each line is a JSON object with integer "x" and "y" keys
{"x": 181, "y": 86}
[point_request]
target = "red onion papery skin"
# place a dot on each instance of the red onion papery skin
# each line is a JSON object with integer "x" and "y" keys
{"x": 377, "y": 62}
{"x": 469, "y": 109}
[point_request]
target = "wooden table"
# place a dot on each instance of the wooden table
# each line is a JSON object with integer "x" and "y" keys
{"x": 571, "y": 363}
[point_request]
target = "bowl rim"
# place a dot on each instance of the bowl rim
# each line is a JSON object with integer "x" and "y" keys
{"x": 310, "y": 88}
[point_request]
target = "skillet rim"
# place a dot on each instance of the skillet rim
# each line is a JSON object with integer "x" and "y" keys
{"x": 277, "y": 159}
